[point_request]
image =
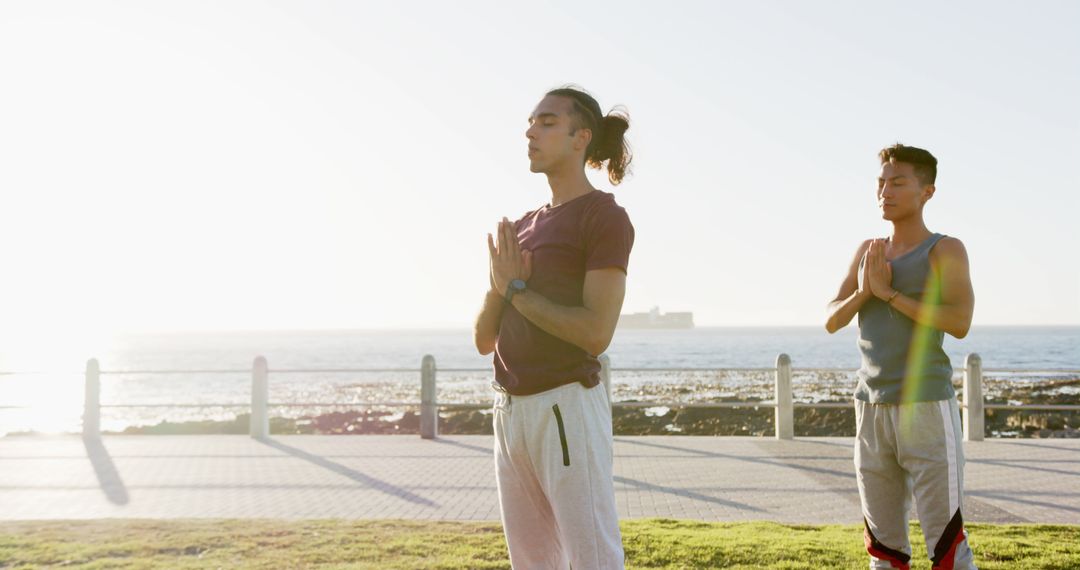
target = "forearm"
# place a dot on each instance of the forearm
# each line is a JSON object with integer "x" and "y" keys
{"x": 953, "y": 319}
{"x": 486, "y": 331}
{"x": 841, "y": 311}
{"x": 579, "y": 326}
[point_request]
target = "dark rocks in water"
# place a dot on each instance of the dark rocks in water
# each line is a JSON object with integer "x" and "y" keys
{"x": 1032, "y": 423}
{"x": 1056, "y": 392}
{"x": 238, "y": 425}
{"x": 666, "y": 420}
{"x": 466, "y": 422}
{"x": 349, "y": 422}
{"x": 634, "y": 421}
{"x": 822, "y": 422}
{"x": 720, "y": 421}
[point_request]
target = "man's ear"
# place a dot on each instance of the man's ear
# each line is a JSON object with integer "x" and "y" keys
{"x": 582, "y": 138}
{"x": 928, "y": 192}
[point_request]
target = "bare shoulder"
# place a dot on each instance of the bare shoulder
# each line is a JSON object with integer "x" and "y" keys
{"x": 865, "y": 245}
{"x": 949, "y": 248}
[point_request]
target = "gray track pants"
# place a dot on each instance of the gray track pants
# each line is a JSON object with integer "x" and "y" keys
{"x": 904, "y": 450}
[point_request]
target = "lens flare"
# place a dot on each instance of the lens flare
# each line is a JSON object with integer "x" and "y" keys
{"x": 923, "y": 338}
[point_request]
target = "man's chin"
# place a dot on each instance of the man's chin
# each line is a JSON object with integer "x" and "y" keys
{"x": 894, "y": 216}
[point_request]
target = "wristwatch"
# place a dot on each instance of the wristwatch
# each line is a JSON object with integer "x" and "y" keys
{"x": 516, "y": 286}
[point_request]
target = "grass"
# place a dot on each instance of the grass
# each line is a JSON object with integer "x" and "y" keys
{"x": 413, "y": 545}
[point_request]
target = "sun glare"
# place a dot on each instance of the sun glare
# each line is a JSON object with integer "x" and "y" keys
{"x": 42, "y": 381}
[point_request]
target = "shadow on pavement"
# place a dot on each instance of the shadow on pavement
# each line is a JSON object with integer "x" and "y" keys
{"x": 484, "y": 450}
{"x": 340, "y": 469}
{"x": 686, "y": 493}
{"x": 105, "y": 469}
{"x": 761, "y": 460}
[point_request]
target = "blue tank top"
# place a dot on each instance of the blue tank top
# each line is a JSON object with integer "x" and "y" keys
{"x": 903, "y": 361}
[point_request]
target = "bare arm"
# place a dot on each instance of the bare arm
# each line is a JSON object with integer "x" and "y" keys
{"x": 590, "y": 326}
{"x": 486, "y": 331}
{"x": 854, "y": 292}
{"x": 949, "y": 264}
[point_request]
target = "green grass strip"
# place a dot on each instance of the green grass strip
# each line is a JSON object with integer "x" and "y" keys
{"x": 414, "y": 545}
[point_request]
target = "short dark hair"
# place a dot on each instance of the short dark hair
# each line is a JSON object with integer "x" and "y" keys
{"x": 921, "y": 160}
{"x": 608, "y": 141}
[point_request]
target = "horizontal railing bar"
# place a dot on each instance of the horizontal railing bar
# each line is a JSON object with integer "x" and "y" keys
{"x": 204, "y": 371}
{"x": 1031, "y": 372}
{"x": 417, "y": 370}
{"x": 244, "y": 405}
{"x": 694, "y": 404}
{"x": 746, "y": 404}
{"x": 287, "y": 371}
{"x": 746, "y": 369}
{"x": 1045, "y": 407}
{"x": 248, "y": 404}
{"x": 42, "y": 373}
{"x": 352, "y": 370}
{"x": 327, "y": 405}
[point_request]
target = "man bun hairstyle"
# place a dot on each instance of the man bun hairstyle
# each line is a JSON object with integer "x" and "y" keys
{"x": 608, "y": 142}
{"x": 924, "y": 163}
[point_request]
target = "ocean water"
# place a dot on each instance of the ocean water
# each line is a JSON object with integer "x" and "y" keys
{"x": 50, "y": 400}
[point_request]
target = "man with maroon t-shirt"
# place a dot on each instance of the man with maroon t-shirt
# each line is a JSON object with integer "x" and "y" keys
{"x": 558, "y": 277}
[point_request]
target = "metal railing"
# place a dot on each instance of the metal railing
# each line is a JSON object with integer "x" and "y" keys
{"x": 972, "y": 403}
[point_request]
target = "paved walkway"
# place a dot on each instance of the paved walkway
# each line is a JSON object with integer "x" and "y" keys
{"x": 809, "y": 480}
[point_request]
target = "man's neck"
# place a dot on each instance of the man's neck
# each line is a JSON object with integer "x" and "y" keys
{"x": 567, "y": 186}
{"x": 909, "y": 231}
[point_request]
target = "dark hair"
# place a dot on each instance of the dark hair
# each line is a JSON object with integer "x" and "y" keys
{"x": 608, "y": 143}
{"x": 921, "y": 160}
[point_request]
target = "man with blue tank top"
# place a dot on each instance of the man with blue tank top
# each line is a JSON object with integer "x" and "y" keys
{"x": 908, "y": 290}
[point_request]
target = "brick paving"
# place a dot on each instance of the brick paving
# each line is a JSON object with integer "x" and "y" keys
{"x": 808, "y": 480}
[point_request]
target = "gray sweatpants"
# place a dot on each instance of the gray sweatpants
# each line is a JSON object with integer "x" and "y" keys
{"x": 554, "y": 462}
{"x": 907, "y": 449}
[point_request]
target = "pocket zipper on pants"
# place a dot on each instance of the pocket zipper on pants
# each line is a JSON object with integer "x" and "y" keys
{"x": 562, "y": 436}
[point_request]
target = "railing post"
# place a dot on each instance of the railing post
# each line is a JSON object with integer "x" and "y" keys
{"x": 91, "y": 420}
{"x": 974, "y": 414}
{"x": 785, "y": 411}
{"x": 605, "y": 375}
{"x": 260, "y": 396}
{"x": 429, "y": 408}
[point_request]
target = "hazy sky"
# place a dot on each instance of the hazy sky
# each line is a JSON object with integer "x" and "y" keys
{"x": 254, "y": 165}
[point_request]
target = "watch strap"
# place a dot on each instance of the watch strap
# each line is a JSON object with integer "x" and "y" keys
{"x": 516, "y": 286}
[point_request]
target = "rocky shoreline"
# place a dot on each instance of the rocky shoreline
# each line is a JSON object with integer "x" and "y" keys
{"x": 670, "y": 420}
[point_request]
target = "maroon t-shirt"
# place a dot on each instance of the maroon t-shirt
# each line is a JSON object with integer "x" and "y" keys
{"x": 586, "y": 233}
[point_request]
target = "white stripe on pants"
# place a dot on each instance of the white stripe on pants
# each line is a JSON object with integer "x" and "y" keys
{"x": 557, "y": 501}
{"x": 904, "y": 450}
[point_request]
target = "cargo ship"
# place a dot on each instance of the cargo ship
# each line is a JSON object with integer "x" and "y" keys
{"x": 654, "y": 319}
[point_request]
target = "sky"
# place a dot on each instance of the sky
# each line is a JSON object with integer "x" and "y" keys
{"x": 308, "y": 165}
